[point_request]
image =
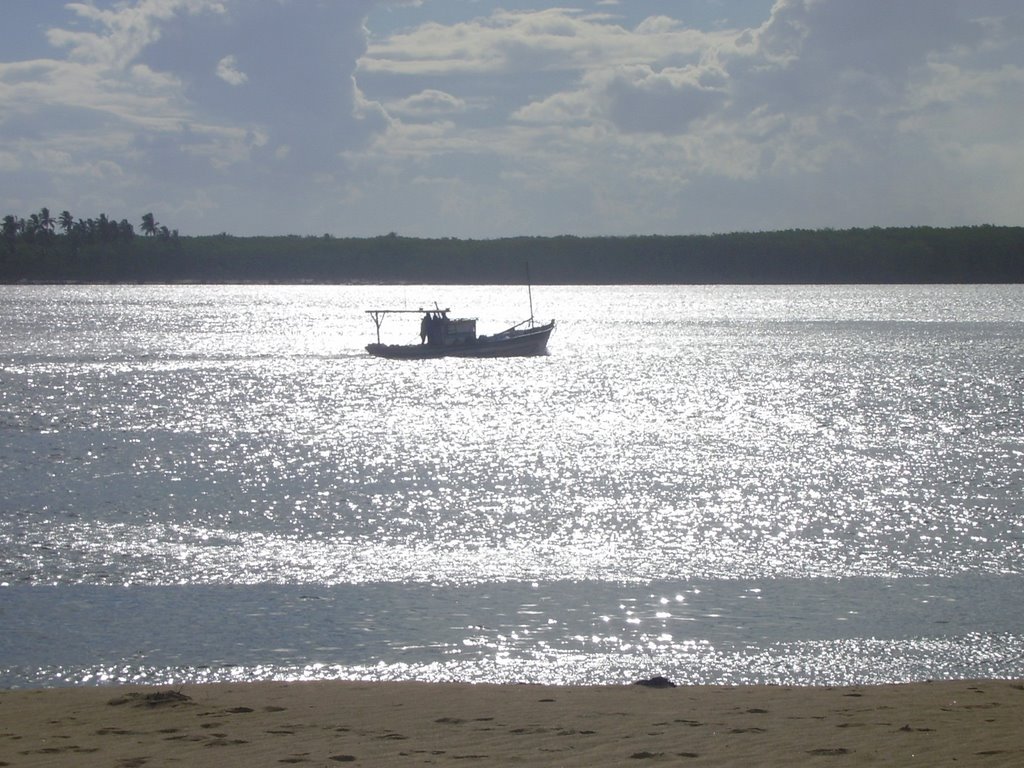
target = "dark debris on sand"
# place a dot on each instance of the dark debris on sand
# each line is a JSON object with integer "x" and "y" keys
{"x": 656, "y": 682}
{"x": 155, "y": 699}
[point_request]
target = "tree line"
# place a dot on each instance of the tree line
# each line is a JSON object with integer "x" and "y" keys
{"x": 41, "y": 227}
{"x": 39, "y": 249}
{"x": 45, "y": 248}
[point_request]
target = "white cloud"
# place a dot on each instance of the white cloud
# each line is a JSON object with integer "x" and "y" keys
{"x": 538, "y": 41}
{"x": 427, "y": 103}
{"x": 135, "y": 78}
{"x": 667, "y": 101}
{"x": 561, "y": 108}
{"x": 567, "y": 117}
{"x": 9, "y": 162}
{"x": 124, "y": 31}
{"x": 228, "y": 71}
{"x": 826, "y": 94}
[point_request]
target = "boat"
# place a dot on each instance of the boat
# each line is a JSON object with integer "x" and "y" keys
{"x": 445, "y": 336}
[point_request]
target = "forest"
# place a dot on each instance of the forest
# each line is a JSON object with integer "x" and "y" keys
{"x": 46, "y": 249}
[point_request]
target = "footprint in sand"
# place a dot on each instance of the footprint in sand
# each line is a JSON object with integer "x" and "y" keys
{"x": 225, "y": 742}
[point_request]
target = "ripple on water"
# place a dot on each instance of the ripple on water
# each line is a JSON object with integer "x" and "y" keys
{"x": 235, "y": 436}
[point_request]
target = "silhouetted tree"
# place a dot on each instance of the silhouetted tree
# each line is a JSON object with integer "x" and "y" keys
{"x": 31, "y": 227}
{"x": 11, "y": 230}
{"x": 46, "y": 221}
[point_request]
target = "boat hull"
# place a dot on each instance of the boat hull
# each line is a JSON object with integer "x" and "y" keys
{"x": 514, "y": 343}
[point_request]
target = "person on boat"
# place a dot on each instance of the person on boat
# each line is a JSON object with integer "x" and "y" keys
{"x": 440, "y": 328}
{"x": 424, "y": 328}
{"x": 431, "y": 326}
{"x": 434, "y": 329}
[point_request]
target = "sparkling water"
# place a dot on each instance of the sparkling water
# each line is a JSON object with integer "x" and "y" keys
{"x": 778, "y": 484}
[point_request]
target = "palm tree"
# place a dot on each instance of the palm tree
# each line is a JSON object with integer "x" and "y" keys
{"x": 103, "y": 228}
{"x": 149, "y": 225}
{"x": 46, "y": 221}
{"x": 67, "y": 221}
{"x": 10, "y": 231}
{"x": 31, "y": 227}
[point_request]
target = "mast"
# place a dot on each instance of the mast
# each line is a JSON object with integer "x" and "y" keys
{"x": 529, "y": 290}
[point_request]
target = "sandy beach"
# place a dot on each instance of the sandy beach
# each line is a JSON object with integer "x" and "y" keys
{"x": 331, "y": 723}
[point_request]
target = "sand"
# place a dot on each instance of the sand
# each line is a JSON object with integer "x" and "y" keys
{"x": 384, "y": 724}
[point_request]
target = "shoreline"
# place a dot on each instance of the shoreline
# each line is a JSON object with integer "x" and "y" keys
{"x": 410, "y": 723}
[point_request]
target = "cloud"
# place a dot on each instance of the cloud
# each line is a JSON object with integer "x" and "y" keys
{"x": 429, "y": 102}
{"x": 123, "y": 32}
{"x": 819, "y": 110}
{"x": 635, "y": 98}
{"x": 811, "y": 54}
{"x": 154, "y": 85}
{"x": 318, "y": 115}
{"x": 9, "y": 162}
{"x": 228, "y": 71}
{"x": 531, "y": 41}
{"x": 667, "y": 101}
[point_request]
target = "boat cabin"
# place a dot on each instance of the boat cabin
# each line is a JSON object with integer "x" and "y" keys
{"x": 460, "y": 331}
{"x": 436, "y": 328}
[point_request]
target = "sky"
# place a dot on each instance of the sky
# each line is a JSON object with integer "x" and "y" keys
{"x": 496, "y": 118}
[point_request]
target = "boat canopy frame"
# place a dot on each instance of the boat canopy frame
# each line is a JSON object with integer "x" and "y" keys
{"x": 378, "y": 315}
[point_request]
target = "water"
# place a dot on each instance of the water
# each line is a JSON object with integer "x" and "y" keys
{"x": 801, "y": 485}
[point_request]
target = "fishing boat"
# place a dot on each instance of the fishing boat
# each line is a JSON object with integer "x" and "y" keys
{"x": 445, "y": 336}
